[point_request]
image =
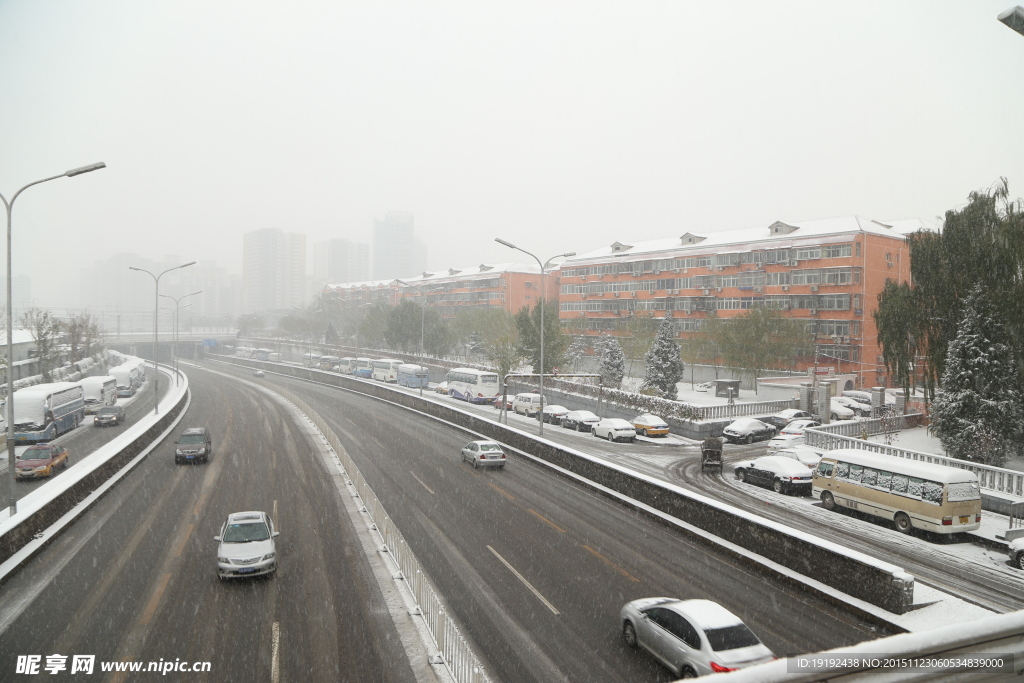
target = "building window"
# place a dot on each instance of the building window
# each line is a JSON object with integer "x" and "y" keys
{"x": 808, "y": 253}
{"x": 836, "y": 250}
{"x": 858, "y": 249}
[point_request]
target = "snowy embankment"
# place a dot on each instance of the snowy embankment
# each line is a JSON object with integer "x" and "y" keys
{"x": 44, "y": 512}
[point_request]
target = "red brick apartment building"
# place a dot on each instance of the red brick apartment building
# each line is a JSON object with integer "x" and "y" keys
{"x": 827, "y": 273}
{"x": 506, "y": 285}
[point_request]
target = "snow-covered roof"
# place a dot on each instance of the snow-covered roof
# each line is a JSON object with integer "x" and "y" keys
{"x": 21, "y": 336}
{"x": 484, "y": 271}
{"x": 774, "y": 235}
{"x": 893, "y": 463}
{"x": 365, "y": 284}
{"x": 708, "y": 615}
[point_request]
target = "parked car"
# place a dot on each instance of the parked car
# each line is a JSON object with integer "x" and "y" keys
{"x": 554, "y": 414}
{"x": 748, "y": 430}
{"x": 484, "y": 454}
{"x": 858, "y": 407}
{"x": 705, "y": 386}
{"x": 580, "y": 420}
{"x": 784, "y": 441}
{"x": 40, "y": 460}
{"x": 193, "y": 445}
{"x": 839, "y": 411}
{"x": 650, "y": 425}
{"x": 508, "y": 402}
{"x": 859, "y": 396}
{"x": 781, "y": 474}
{"x": 798, "y": 426}
{"x": 784, "y": 417}
{"x": 441, "y": 388}
{"x": 691, "y": 637}
{"x": 1017, "y": 553}
{"x": 805, "y": 455}
{"x": 246, "y": 545}
{"x": 613, "y": 429}
{"x": 258, "y": 373}
{"x": 108, "y": 415}
{"x": 527, "y": 404}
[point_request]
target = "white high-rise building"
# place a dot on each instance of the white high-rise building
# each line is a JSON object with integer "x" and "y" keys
{"x": 273, "y": 270}
{"x": 396, "y": 251}
{"x": 341, "y": 260}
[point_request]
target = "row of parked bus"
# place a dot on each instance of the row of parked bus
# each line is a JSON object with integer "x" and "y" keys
{"x": 467, "y": 384}
{"x": 43, "y": 412}
{"x": 257, "y": 354}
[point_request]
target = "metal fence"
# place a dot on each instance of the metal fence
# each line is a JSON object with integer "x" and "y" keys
{"x": 990, "y": 478}
{"x": 454, "y": 652}
{"x": 743, "y": 409}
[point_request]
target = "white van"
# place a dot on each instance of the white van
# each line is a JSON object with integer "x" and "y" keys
{"x": 526, "y": 404}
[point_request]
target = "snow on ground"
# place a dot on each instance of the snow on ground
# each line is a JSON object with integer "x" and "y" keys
{"x": 920, "y": 439}
{"x": 940, "y": 608}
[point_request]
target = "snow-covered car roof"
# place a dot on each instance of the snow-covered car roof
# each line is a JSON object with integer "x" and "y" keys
{"x": 555, "y": 409}
{"x": 746, "y": 422}
{"x": 782, "y": 464}
{"x": 581, "y": 413}
{"x": 649, "y": 419}
{"x": 617, "y": 422}
{"x": 708, "y": 615}
{"x": 894, "y": 463}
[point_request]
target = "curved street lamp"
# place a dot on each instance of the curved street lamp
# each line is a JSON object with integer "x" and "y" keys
{"x": 423, "y": 320}
{"x": 543, "y": 292}
{"x": 175, "y": 326}
{"x": 156, "y": 327}
{"x": 9, "y": 205}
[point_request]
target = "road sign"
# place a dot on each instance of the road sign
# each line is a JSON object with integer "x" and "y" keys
{"x": 209, "y": 342}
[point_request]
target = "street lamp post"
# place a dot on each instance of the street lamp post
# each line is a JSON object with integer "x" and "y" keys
{"x": 423, "y": 320}
{"x": 1014, "y": 18}
{"x": 9, "y": 205}
{"x": 156, "y": 327}
{"x": 175, "y": 323}
{"x": 543, "y": 266}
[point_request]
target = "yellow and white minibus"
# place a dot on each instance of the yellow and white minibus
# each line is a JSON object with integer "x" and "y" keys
{"x": 913, "y": 494}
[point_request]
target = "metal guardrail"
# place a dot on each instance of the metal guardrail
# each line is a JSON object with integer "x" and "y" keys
{"x": 455, "y": 653}
{"x": 990, "y": 478}
{"x": 873, "y": 426}
{"x": 744, "y": 409}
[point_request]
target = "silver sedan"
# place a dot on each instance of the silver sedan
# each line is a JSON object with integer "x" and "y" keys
{"x": 484, "y": 454}
{"x": 691, "y": 637}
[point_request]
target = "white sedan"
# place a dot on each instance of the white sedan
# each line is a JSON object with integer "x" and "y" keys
{"x": 247, "y": 545}
{"x": 798, "y": 426}
{"x": 803, "y": 454}
{"x": 839, "y": 412}
{"x": 613, "y": 429}
{"x": 784, "y": 441}
{"x": 748, "y": 430}
{"x": 854, "y": 405}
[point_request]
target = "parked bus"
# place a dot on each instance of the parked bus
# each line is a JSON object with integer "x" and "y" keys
{"x": 410, "y": 375}
{"x": 329, "y": 362}
{"x": 261, "y": 354}
{"x": 346, "y": 365}
{"x": 100, "y": 391}
{"x": 243, "y": 352}
{"x": 137, "y": 370}
{"x": 311, "y": 360}
{"x": 475, "y": 386}
{"x": 45, "y": 411}
{"x": 362, "y": 367}
{"x": 386, "y": 369}
{"x": 123, "y": 375}
{"x": 913, "y": 494}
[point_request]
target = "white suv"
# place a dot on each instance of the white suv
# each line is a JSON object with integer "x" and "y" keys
{"x": 526, "y": 404}
{"x": 247, "y": 545}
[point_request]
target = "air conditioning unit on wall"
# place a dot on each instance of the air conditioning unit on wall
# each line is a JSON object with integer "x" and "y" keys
{"x": 785, "y": 288}
{"x": 814, "y": 288}
{"x": 718, "y": 289}
{"x": 814, "y": 311}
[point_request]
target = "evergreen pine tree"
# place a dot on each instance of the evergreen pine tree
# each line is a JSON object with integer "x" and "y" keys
{"x": 664, "y": 364}
{"x": 577, "y": 350}
{"x": 331, "y": 335}
{"x": 613, "y": 365}
{"x": 979, "y": 411}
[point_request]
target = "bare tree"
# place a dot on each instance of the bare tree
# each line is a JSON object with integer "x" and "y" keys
{"x": 46, "y": 332}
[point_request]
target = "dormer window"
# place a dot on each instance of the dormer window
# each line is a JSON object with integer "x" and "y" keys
{"x": 690, "y": 238}
{"x": 484, "y": 267}
{"x": 619, "y": 246}
{"x": 780, "y": 228}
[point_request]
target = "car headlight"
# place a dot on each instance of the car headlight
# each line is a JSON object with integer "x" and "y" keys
{"x": 268, "y": 556}
{"x": 223, "y": 560}
{"x": 177, "y": 451}
{"x": 41, "y": 468}
{"x": 202, "y": 451}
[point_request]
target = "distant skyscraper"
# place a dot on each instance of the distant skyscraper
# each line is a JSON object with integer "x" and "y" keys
{"x": 396, "y": 251}
{"x": 340, "y": 260}
{"x": 273, "y": 270}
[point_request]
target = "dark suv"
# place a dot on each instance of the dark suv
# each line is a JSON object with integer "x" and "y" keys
{"x": 193, "y": 445}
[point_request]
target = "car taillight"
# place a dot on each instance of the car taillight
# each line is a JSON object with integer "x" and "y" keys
{"x": 947, "y": 521}
{"x": 719, "y": 669}
{"x": 503, "y": 457}
{"x": 977, "y": 518}
{"x": 482, "y": 456}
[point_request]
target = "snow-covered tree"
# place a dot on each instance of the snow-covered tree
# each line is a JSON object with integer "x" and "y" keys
{"x": 613, "y": 364}
{"x": 979, "y": 411}
{"x": 577, "y": 350}
{"x": 664, "y": 364}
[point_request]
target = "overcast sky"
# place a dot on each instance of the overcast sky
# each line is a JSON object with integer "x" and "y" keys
{"x": 561, "y": 126}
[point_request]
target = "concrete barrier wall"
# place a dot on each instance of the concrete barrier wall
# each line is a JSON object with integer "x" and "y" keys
{"x": 848, "y": 571}
{"x": 16, "y": 537}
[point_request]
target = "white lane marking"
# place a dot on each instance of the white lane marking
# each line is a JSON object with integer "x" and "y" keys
{"x": 421, "y": 483}
{"x": 277, "y": 524}
{"x": 525, "y": 582}
{"x": 275, "y": 662}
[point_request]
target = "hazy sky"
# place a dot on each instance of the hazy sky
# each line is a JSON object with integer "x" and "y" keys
{"x": 561, "y": 126}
